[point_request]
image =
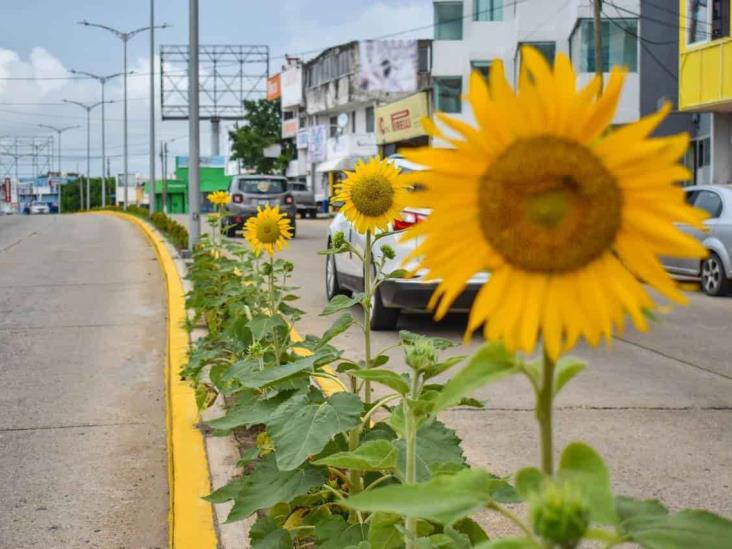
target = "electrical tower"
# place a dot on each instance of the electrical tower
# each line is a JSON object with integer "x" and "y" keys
{"x": 26, "y": 157}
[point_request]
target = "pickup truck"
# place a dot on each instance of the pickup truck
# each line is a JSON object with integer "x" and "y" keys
{"x": 304, "y": 197}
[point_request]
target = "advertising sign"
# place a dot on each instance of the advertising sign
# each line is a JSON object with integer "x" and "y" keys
{"x": 274, "y": 88}
{"x": 290, "y": 127}
{"x": 6, "y": 191}
{"x": 388, "y": 65}
{"x": 291, "y": 82}
{"x": 302, "y": 138}
{"x": 205, "y": 161}
{"x": 402, "y": 119}
{"x": 316, "y": 143}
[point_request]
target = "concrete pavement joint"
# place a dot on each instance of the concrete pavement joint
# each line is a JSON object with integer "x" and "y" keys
{"x": 671, "y": 357}
{"x": 16, "y": 328}
{"x": 79, "y": 426}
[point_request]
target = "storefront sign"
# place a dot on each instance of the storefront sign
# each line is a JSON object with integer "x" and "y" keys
{"x": 303, "y": 138}
{"x": 274, "y": 87}
{"x": 316, "y": 143}
{"x": 402, "y": 119}
{"x": 290, "y": 127}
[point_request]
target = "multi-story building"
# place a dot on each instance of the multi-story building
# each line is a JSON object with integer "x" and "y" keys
{"x": 329, "y": 103}
{"x": 471, "y": 34}
{"x": 705, "y": 85}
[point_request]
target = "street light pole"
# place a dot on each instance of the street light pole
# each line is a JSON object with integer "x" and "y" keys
{"x": 152, "y": 107}
{"x": 125, "y": 37}
{"x": 88, "y": 108}
{"x": 194, "y": 195}
{"x": 103, "y": 81}
{"x": 59, "y": 131}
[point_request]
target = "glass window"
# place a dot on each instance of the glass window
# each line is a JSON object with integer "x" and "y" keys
{"x": 369, "y": 119}
{"x": 619, "y": 44}
{"x": 546, "y": 49}
{"x": 448, "y": 92}
{"x": 448, "y": 21}
{"x": 483, "y": 67}
{"x": 703, "y": 152}
{"x": 263, "y": 186}
{"x": 333, "y": 123}
{"x": 709, "y": 201}
{"x": 698, "y": 20}
{"x": 488, "y": 10}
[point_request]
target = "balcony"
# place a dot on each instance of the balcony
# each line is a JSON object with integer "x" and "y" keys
{"x": 705, "y": 76}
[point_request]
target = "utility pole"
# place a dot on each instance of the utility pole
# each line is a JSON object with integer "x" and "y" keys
{"x": 152, "y": 107}
{"x": 88, "y": 108}
{"x": 102, "y": 80}
{"x": 59, "y": 131}
{"x": 164, "y": 170}
{"x": 194, "y": 191}
{"x": 598, "y": 43}
{"x": 125, "y": 37}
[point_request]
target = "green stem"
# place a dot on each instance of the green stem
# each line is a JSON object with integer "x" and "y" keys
{"x": 367, "y": 290}
{"x": 544, "y": 405}
{"x": 356, "y": 479}
{"x": 512, "y": 517}
{"x": 411, "y": 465}
{"x": 273, "y": 308}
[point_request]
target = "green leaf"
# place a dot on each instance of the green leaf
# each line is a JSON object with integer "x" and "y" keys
{"x": 248, "y": 456}
{"x": 529, "y": 480}
{"x": 582, "y": 466}
{"x": 565, "y": 370}
{"x": 249, "y": 410}
{"x": 341, "y": 302}
{"x": 272, "y": 374}
{"x": 227, "y": 492}
{"x": 262, "y": 326}
{"x": 267, "y": 485}
{"x": 383, "y": 531}
{"x": 509, "y": 543}
{"x": 650, "y": 525}
{"x": 335, "y": 533}
{"x": 385, "y": 377}
{"x": 265, "y": 534}
{"x": 436, "y": 443}
{"x": 398, "y": 273}
{"x": 341, "y": 324}
{"x": 443, "y": 366}
{"x": 444, "y": 499}
{"x": 440, "y": 343}
{"x": 471, "y": 529}
{"x": 491, "y": 363}
{"x": 300, "y": 429}
{"x": 376, "y": 455}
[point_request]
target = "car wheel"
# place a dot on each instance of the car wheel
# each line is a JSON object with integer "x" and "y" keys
{"x": 230, "y": 232}
{"x": 332, "y": 287}
{"x": 293, "y": 226}
{"x": 313, "y": 214}
{"x": 382, "y": 318}
{"x": 303, "y": 214}
{"x": 713, "y": 279}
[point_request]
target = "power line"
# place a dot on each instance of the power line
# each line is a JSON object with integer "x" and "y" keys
{"x": 675, "y": 27}
{"x": 631, "y": 33}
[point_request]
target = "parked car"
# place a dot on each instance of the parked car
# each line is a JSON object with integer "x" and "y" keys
{"x": 344, "y": 272}
{"x": 304, "y": 197}
{"x": 39, "y": 208}
{"x": 715, "y": 271}
{"x": 251, "y": 191}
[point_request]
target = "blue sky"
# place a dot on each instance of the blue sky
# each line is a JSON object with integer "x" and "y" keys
{"x": 41, "y": 38}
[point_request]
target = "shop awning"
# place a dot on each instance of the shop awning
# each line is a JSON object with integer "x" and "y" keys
{"x": 338, "y": 164}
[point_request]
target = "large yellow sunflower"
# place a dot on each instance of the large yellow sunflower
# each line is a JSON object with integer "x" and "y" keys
{"x": 569, "y": 219}
{"x": 219, "y": 198}
{"x": 373, "y": 195}
{"x": 268, "y": 231}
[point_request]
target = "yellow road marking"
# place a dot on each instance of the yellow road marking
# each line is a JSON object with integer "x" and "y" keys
{"x": 190, "y": 518}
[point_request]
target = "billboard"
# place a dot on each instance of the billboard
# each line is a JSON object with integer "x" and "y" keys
{"x": 388, "y": 65}
{"x": 290, "y": 127}
{"x": 316, "y": 143}
{"x": 274, "y": 87}
{"x": 205, "y": 161}
{"x": 303, "y": 137}
{"x": 7, "y": 196}
{"x": 291, "y": 82}
{"x": 401, "y": 119}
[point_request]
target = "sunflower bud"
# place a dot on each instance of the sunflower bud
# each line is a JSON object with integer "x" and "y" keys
{"x": 266, "y": 269}
{"x": 421, "y": 354}
{"x": 388, "y": 252}
{"x": 288, "y": 266}
{"x": 560, "y": 514}
{"x": 339, "y": 240}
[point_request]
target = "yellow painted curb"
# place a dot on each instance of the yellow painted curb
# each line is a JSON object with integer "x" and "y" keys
{"x": 191, "y": 522}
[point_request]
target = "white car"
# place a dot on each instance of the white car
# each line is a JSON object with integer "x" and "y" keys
{"x": 344, "y": 272}
{"x": 39, "y": 208}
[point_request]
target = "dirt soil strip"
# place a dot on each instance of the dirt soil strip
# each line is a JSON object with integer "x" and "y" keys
{"x": 191, "y": 523}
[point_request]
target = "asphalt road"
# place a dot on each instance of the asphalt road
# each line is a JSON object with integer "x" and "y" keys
{"x": 657, "y": 406}
{"x": 82, "y": 339}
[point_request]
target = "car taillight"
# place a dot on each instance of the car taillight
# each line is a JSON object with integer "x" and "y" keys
{"x": 289, "y": 199}
{"x": 238, "y": 198}
{"x": 408, "y": 219}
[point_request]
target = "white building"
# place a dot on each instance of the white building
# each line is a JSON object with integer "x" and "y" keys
{"x": 470, "y": 34}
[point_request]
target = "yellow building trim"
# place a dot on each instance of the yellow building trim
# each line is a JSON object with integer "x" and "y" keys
{"x": 190, "y": 518}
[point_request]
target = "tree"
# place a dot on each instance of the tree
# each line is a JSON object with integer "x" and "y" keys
{"x": 262, "y": 128}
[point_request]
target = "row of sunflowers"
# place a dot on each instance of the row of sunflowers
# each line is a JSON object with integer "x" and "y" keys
{"x": 568, "y": 217}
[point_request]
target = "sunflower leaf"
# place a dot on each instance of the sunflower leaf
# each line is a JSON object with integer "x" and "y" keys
{"x": 340, "y": 303}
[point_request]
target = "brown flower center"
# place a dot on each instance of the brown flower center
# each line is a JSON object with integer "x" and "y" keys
{"x": 548, "y": 204}
{"x": 268, "y": 231}
{"x": 372, "y": 196}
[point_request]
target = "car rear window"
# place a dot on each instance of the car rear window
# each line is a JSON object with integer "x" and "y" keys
{"x": 262, "y": 186}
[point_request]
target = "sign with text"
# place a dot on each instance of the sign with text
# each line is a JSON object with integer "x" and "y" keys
{"x": 274, "y": 87}
{"x": 388, "y": 65}
{"x": 402, "y": 119}
{"x": 290, "y": 127}
{"x": 316, "y": 143}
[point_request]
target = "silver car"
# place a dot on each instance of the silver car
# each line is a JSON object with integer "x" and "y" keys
{"x": 248, "y": 192}
{"x": 714, "y": 272}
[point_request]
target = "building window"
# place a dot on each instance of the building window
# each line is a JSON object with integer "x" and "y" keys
{"x": 619, "y": 44}
{"x": 333, "y": 123}
{"x": 448, "y": 21}
{"x": 488, "y": 10}
{"x": 369, "y": 120}
{"x": 707, "y": 19}
{"x": 483, "y": 67}
{"x": 546, "y": 49}
{"x": 353, "y": 122}
{"x": 703, "y": 152}
{"x": 448, "y": 92}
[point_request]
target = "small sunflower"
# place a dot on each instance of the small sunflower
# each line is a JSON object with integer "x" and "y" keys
{"x": 268, "y": 231}
{"x": 219, "y": 198}
{"x": 567, "y": 218}
{"x": 373, "y": 195}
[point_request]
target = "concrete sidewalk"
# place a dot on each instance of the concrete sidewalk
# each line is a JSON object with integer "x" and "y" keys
{"x": 83, "y": 458}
